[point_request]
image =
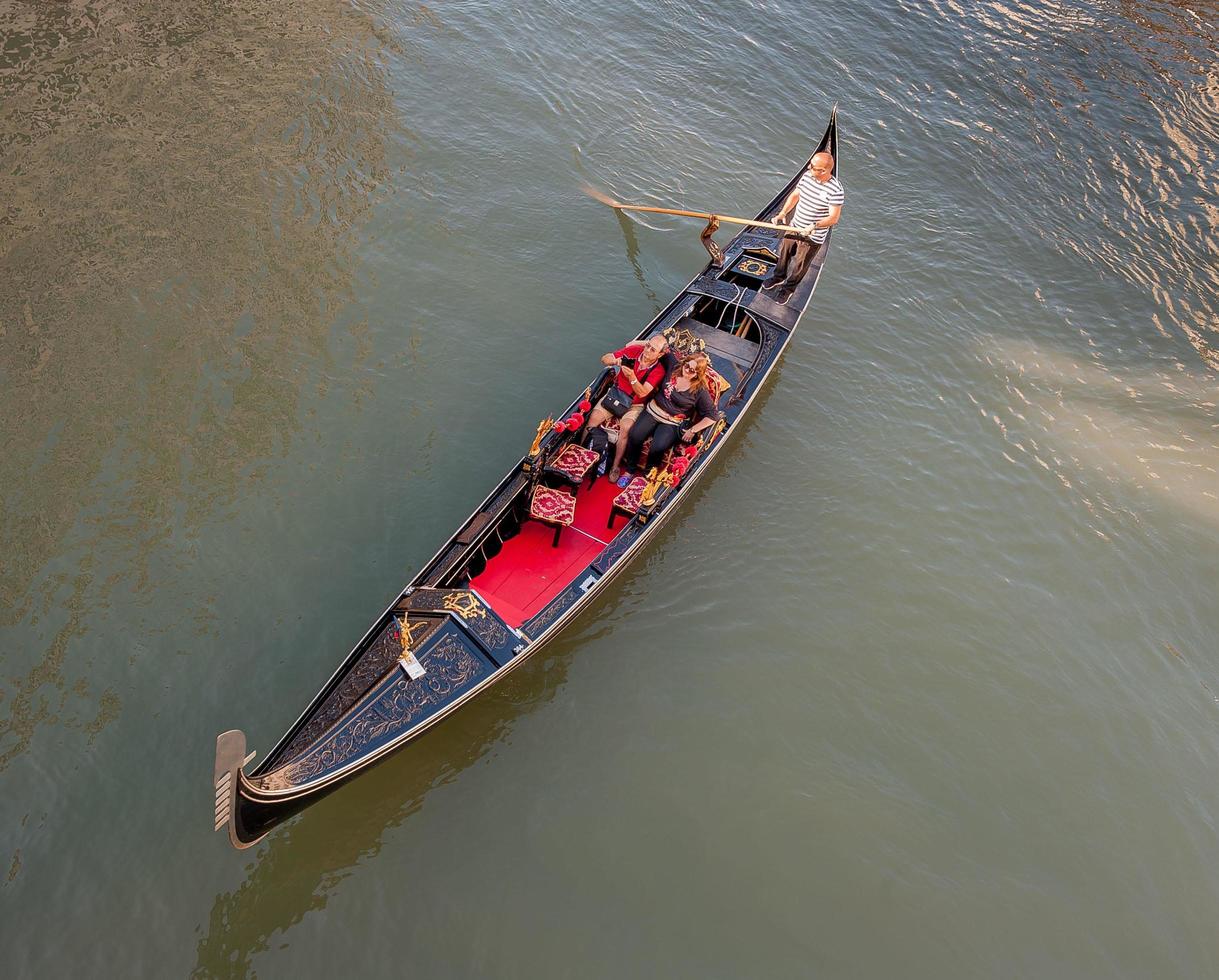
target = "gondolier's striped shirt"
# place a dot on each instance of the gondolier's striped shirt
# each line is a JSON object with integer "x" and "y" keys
{"x": 816, "y": 199}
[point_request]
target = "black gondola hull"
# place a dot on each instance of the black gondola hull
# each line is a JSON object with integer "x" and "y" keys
{"x": 459, "y": 642}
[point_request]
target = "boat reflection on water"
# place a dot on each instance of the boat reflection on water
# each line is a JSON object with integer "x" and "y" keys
{"x": 298, "y": 867}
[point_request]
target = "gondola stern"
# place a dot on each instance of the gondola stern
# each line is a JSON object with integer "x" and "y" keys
{"x": 231, "y": 758}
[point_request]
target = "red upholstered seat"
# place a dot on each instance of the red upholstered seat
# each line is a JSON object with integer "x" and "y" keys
{"x": 557, "y": 507}
{"x": 717, "y": 385}
{"x": 553, "y": 506}
{"x": 628, "y": 500}
{"x": 573, "y": 463}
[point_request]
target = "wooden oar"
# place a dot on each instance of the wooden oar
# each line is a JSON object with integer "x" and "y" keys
{"x": 596, "y": 195}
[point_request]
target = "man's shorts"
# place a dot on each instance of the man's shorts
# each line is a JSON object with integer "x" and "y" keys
{"x": 630, "y": 415}
{"x": 627, "y": 419}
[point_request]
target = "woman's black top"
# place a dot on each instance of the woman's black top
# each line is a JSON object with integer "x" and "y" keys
{"x": 679, "y": 404}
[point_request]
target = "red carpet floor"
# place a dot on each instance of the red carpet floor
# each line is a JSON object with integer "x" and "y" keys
{"x": 519, "y": 581}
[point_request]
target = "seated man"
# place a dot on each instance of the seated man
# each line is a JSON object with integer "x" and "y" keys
{"x": 640, "y": 371}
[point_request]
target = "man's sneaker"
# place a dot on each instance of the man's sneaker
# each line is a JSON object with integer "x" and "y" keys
{"x": 771, "y": 283}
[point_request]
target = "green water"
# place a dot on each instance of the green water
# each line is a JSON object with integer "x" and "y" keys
{"x": 921, "y": 683}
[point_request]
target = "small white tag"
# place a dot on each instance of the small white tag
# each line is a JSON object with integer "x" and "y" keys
{"x": 414, "y": 669}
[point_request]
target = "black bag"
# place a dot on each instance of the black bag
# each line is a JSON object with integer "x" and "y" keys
{"x": 617, "y": 402}
{"x": 598, "y": 441}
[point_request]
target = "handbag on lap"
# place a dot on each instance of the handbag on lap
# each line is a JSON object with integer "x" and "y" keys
{"x": 617, "y": 402}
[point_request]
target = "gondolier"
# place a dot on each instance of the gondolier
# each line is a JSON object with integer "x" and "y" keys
{"x": 817, "y": 201}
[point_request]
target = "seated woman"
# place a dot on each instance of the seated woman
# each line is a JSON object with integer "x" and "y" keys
{"x": 686, "y": 395}
{"x": 640, "y": 370}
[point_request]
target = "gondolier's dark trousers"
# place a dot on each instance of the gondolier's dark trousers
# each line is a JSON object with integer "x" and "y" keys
{"x": 796, "y": 254}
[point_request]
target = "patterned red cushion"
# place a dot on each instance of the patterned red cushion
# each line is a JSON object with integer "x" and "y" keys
{"x": 628, "y": 500}
{"x": 551, "y": 505}
{"x": 716, "y": 384}
{"x": 574, "y": 462}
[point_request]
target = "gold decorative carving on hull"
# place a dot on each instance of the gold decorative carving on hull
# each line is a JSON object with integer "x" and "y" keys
{"x": 543, "y": 427}
{"x": 655, "y": 482}
{"x": 763, "y": 250}
{"x": 684, "y": 341}
{"x": 407, "y": 631}
{"x": 393, "y": 709}
{"x": 465, "y": 605}
{"x": 371, "y": 667}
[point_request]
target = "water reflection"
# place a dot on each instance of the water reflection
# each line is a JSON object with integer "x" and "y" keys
{"x": 1092, "y": 427}
{"x": 188, "y": 185}
{"x": 632, "y": 255}
{"x": 1120, "y": 104}
{"x": 301, "y": 863}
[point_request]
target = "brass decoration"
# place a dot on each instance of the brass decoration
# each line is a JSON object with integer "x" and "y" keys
{"x": 465, "y": 605}
{"x": 710, "y": 244}
{"x": 489, "y": 630}
{"x": 408, "y": 661}
{"x": 656, "y": 483}
{"x": 684, "y": 341}
{"x": 753, "y": 267}
{"x": 656, "y": 480}
{"x": 648, "y": 497}
{"x": 394, "y": 706}
{"x": 371, "y": 667}
{"x": 758, "y": 245}
{"x": 407, "y": 633}
{"x": 543, "y": 427}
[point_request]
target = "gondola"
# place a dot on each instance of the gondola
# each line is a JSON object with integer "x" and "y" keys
{"x": 548, "y": 539}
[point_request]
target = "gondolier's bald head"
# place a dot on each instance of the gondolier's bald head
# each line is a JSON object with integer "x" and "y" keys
{"x": 822, "y": 165}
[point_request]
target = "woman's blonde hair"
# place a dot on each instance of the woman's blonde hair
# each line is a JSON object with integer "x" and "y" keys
{"x": 701, "y": 362}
